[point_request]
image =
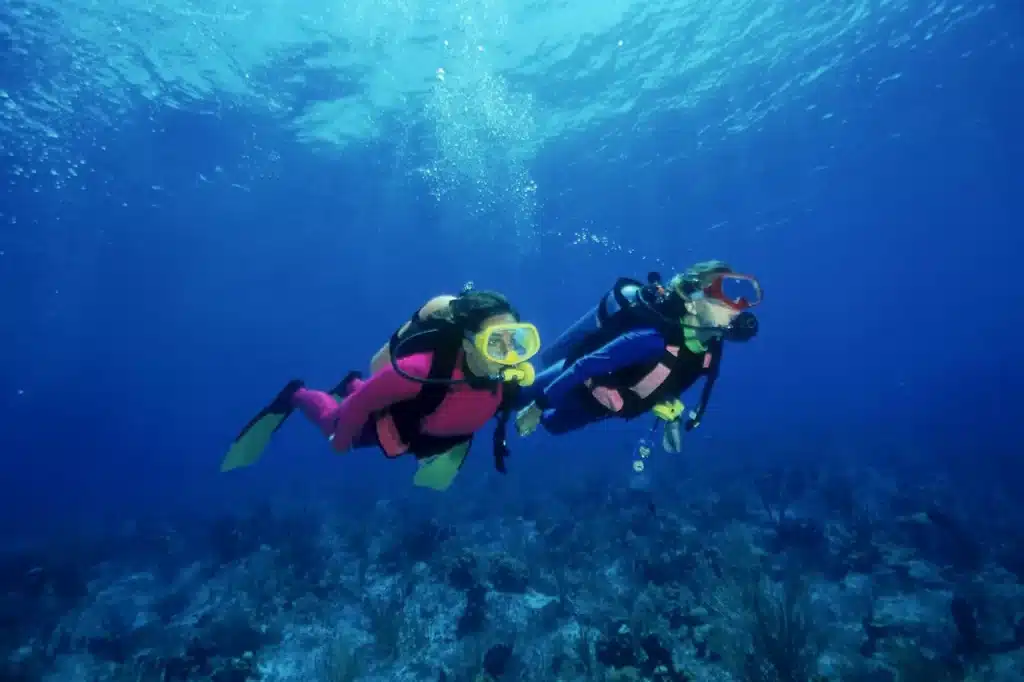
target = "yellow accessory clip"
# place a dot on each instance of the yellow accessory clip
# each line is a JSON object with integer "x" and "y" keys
{"x": 669, "y": 410}
{"x": 508, "y": 344}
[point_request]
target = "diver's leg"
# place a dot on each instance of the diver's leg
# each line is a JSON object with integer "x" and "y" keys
{"x": 319, "y": 407}
{"x": 323, "y": 410}
{"x": 563, "y": 345}
{"x": 528, "y": 394}
{"x": 572, "y": 415}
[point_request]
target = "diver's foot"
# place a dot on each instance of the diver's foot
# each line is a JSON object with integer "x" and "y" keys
{"x": 344, "y": 386}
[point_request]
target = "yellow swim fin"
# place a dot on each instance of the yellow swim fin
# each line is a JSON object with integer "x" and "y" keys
{"x": 438, "y": 472}
{"x": 248, "y": 447}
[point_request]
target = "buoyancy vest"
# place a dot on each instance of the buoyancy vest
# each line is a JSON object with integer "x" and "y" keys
{"x": 443, "y": 340}
{"x": 634, "y": 390}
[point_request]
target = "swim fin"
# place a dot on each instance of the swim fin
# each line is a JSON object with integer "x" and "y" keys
{"x": 252, "y": 441}
{"x": 438, "y": 472}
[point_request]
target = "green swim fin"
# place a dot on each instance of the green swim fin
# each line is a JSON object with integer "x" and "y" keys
{"x": 252, "y": 441}
{"x": 439, "y": 471}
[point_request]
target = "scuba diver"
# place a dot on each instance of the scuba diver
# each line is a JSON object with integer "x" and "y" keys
{"x": 442, "y": 376}
{"x": 639, "y": 349}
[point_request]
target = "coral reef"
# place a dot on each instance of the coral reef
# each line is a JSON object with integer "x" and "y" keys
{"x": 795, "y": 574}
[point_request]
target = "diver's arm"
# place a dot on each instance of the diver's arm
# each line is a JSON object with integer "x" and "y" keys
{"x": 629, "y": 349}
{"x": 382, "y": 390}
{"x": 434, "y": 306}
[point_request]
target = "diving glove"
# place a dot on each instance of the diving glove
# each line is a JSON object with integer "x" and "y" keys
{"x": 692, "y": 421}
{"x": 669, "y": 411}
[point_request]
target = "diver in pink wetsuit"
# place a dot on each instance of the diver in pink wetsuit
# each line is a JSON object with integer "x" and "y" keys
{"x": 439, "y": 380}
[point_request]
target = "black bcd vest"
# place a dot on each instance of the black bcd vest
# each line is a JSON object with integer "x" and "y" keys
{"x": 444, "y": 340}
{"x": 636, "y": 313}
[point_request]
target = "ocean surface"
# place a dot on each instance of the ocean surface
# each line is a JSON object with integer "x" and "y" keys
{"x": 203, "y": 200}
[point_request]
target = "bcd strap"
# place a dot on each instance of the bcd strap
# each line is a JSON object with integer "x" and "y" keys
{"x": 443, "y": 339}
{"x": 440, "y": 338}
{"x": 501, "y": 450}
{"x": 634, "y": 405}
{"x": 414, "y": 326}
{"x": 715, "y": 348}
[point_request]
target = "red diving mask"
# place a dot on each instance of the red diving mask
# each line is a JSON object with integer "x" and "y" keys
{"x": 739, "y": 292}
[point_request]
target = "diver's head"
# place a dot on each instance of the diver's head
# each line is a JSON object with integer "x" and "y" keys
{"x": 717, "y": 300}
{"x": 476, "y": 312}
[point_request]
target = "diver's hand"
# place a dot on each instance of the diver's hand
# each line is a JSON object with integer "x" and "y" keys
{"x": 672, "y": 438}
{"x": 692, "y": 422}
{"x": 528, "y": 419}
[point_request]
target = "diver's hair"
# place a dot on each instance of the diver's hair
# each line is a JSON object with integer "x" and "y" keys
{"x": 697, "y": 276}
{"x": 470, "y": 309}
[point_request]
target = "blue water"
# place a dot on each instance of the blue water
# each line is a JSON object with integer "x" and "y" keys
{"x": 149, "y": 311}
{"x": 142, "y": 328}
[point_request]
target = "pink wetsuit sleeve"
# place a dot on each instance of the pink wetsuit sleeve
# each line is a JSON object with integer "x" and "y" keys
{"x": 383, "y": 389}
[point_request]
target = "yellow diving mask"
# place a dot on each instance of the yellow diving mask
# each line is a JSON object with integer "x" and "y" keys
{"x": 510, "y": 345}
